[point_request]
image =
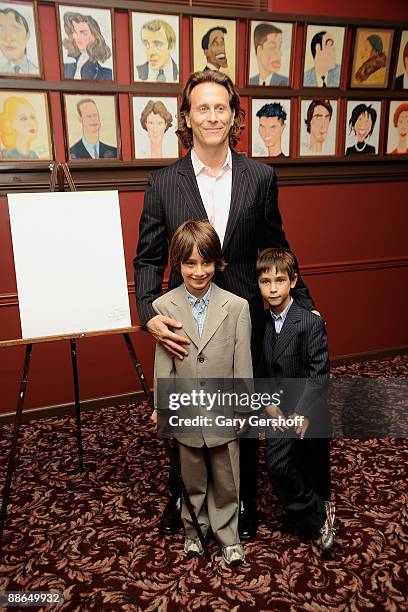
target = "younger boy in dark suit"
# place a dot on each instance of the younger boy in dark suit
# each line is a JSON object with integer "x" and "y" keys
{"x": 296, "y": 360}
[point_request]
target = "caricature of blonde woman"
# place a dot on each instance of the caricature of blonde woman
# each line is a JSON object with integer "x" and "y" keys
{"x": 18, "y": 128}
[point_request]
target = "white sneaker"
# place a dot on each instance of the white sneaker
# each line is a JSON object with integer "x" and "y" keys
{"x": 327, "y": 533}
{"x": 193, "y": 548}
{"x": 234, "y": 554}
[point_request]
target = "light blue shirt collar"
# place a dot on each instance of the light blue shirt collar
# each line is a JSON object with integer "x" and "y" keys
{"x": 193, "y": 300}
{"x": 280, "y": 318}
{"x": 91, "y": 147}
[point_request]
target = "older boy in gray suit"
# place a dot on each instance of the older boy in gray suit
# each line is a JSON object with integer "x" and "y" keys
{"x": 218, "y": 324}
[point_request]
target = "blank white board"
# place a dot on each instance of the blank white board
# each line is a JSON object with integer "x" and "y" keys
{"x": 69, "y": 260}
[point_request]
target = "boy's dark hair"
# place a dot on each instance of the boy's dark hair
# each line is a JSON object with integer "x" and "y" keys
{"x": 283, "y": 261}
{"x": 200, "y": 234}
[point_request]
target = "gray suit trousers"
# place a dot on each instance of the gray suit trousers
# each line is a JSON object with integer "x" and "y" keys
{"x": 211, "y": 477}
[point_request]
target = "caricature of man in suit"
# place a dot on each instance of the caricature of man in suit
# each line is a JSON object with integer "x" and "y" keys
{"x": 239, "y": 196}
{"x": 14, "y": 36}
{"x": 326, "y": 72}
{"x": 268, "y": 44}
{"x": 401, "y": 82}
{"x": 213, "y": 45}
{"x": 159, "y": 39}
{"x": 89, "y": 146}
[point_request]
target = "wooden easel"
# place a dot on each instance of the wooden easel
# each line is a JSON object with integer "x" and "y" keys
{"x": 59, "y": 174}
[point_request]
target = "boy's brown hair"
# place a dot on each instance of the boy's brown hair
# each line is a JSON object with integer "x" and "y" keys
{"x": 200, "y": 234}
{"x": 283, "y": 261}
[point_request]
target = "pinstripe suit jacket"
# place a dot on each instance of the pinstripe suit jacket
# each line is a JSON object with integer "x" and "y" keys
{"x": 298, "y": 363}
{"x": 254, "y": 222}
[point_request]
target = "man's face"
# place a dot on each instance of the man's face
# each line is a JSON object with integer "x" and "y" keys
{"x": 270, "y": 130}
{"x": 210, "y": 116}
{"x": 328, "y": 51}
{"x": 402, "y": 124}
{"x": 90, "y": 119}
{"x": 319, "y": 124}
{"x": 269, "y": 54}
{"x": 13, "y": 37}
{"x": 215, "y": 53}
{"x": 156, "y": 47}
{"x": 82, "y": 35}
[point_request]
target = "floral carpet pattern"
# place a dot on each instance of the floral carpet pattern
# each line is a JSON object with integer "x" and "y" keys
{"x": 93, "y": 536}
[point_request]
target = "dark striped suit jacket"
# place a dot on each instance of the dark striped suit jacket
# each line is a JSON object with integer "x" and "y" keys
{"x": 296, "y": 361}
{"x": 254, "y": 223}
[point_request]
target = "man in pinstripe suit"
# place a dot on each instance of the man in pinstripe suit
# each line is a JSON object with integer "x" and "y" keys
{"x": 240, "y": 198}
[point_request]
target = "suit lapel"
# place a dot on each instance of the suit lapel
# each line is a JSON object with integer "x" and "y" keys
{"x": 238, "y": 195}
{"x": 179, "y": 299}
{"x": 216, "y": 313}
{"x": 288, "y": 330}
{"x": 187, "y": 183}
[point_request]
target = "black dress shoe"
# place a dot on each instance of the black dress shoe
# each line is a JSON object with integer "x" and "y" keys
{"x": 248, "y": 520}
{"x": 171, "y": 522}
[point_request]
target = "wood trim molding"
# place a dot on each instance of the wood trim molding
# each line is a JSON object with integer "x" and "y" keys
{"x": 130, "y": 176}
{"x": 357, "y": 265}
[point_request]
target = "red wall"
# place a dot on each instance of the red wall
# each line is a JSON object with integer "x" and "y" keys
{"x": 345, "y": 236}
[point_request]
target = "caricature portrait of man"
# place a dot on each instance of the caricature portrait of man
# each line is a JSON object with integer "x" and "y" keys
{"x": 272, "y": 119}
{"x": 268, "y": 51}
{"x": 14, "y": 36}
{"x": 317, "y": 122}
{"x": 326, "y": 71}
{"x": 213, "y": 45}
{"x": 159, "y": 40}
{"x": 89, "y": 146}
{"x": 401, "y": 82}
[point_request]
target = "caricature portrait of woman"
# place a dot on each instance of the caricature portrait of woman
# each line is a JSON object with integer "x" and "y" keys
{"x": 86, "y": 44}
{"x": 18, "y": 129}
{"x": 372, "y": 61}
{"x": 400, "y": 121}
{"x": 362, "y": 122}
{"x": 156, "y": 120}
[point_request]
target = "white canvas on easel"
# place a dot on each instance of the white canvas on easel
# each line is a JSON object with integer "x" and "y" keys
{"x": 69, "y": 261}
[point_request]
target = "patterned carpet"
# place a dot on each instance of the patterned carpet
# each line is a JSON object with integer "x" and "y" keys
{"x": 93, "y": 536}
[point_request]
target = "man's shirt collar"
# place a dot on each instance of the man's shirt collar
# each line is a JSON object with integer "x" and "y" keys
{"x": 198, "y": 165}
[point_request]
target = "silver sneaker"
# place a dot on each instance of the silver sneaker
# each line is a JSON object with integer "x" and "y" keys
{"x": 193, "y": 548}
{"x": 327, "y": 533}
{"x": 234, "y": 554}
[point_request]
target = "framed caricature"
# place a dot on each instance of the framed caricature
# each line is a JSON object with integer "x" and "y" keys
{"x": 362, "y": 127}
{"x": 155, "y": 47}
{"x": 401, "y": 75}
{"x": 270, "y": 45}
{"x": 24, "y": 126}
{"x": 91, "y": 126}
{"x": 318, "y": 127}
{"x": 20, "y": 53}
{"x": 371, "y": 57}
{"x": 270, "y": 134}
{"x": 323, "y": 56}
{"x": 86, "y": 43}
{"x": 397, "y": 133}
{"x": 214, "y": 45}
{"x": 154, "y": 127}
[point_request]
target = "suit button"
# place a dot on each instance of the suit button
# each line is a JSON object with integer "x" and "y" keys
{"x": 201, "y": 359}
{"x": 202, "y": 383}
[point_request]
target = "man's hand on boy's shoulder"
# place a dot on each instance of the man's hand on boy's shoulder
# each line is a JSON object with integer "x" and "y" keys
{"x": 316, "y": 312}
{"x": 159, "y": 326}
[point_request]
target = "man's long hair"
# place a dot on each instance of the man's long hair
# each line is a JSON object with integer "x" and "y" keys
{"x": 185, "y": 133}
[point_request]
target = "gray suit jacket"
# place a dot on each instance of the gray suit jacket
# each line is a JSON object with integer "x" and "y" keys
{"x": 333, "y": 77}
{"x": 223, "y": 352}
{"x": 276, "y": 79}
{"x": 143, "y": 70}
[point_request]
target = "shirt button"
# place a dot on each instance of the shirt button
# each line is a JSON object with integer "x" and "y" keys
{"x": 201, "y": 359}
